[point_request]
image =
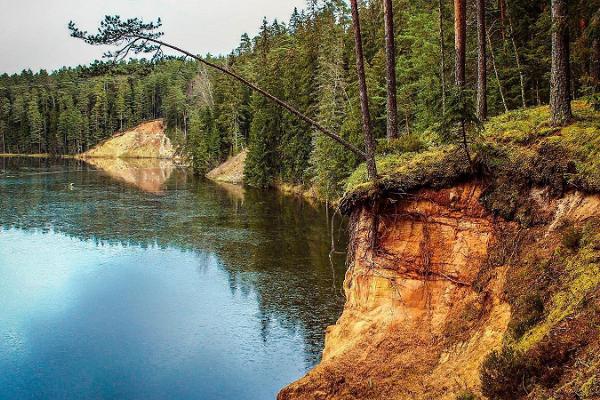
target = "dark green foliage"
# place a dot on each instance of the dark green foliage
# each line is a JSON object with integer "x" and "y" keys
{"x": 466, "y": 396}
{"x": 527, "y": 312}
{"x": 308, "y": 63}
{"x": 506, "y": 375}
{"x": 115, "y": 31}
{"x": 571, "y": 238}
{"x": 71, "y": 110}
{"x": 404, "y": 144}
{"x": 460, "y": 123}
{"x": 594, "y": 101}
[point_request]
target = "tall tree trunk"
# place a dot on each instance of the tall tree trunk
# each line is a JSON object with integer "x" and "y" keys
{"x": 390, "y": 51}
{"x": 583, "y": 38}
{"x": 364, "y": 97}
{"x": 560, "y": 83}
{"x": 517, "y": 57}
{"x": 595, "y": 67}
{"x": 502, "y": 10}
{"x": 482, "y": 106}
{"x": 460, "y": 40}
{"x": 442, "y": 55}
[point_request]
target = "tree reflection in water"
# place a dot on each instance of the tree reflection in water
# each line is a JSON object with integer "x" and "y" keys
{"x": 271, "y": 245}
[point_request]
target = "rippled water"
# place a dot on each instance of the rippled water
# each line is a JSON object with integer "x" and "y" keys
{"x": 136, "y": 281}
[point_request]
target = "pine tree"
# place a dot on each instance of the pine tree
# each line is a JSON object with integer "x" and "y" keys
{"x": 390, "y": 49}
{"x": 36, "y": 123}
{"x": 560, "y": 94}
{"x": 482, "y": 107}
{"x": 363, "y": 92}
{"x": 460, "y": 41}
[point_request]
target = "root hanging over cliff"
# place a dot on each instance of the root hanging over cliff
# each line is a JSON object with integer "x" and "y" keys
{"x": 436, "y": 306}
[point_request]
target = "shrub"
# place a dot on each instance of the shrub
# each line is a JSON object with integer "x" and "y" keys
{"x": 466, "y": 396}
{"x": 505, "y": 375}
{"x": 404, "y": 144}
{"x": 594, "y": 101}
{"x": 528, "y": 312}
{"x": 571, "y": 238}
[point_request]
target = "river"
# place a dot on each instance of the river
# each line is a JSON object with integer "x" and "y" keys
{"x": 137, "y": 280}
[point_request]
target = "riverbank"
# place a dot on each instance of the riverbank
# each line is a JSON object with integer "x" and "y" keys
{"x": 40, "y": 155}
{"x": 232, "y": 172}
{"x": 470, "y": 283}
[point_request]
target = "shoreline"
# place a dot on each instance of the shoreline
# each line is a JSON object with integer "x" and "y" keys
{"x": 36, "y": 155}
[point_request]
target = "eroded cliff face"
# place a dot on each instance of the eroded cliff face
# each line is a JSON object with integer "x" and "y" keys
{"x": 424, "y": 308}
{"x": 147, "y": 140}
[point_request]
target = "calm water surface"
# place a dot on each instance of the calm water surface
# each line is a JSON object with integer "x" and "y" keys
{"x": 133, "y": 281}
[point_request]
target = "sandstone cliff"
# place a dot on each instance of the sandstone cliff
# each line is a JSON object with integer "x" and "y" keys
{"x": 482, "y": 283}
{"x": 147, "y": 140}
{"x": 427, "y": 307}
{"x": 231, "y": 171}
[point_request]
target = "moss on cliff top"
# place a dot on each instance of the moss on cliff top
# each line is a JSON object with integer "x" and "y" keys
{"x": 518, "y": 147}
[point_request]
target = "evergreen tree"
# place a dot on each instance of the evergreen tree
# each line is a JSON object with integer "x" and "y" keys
{"x": 36, "y": 123}
{"x": 560, "y": 94}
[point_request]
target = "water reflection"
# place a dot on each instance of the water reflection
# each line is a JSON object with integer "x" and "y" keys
{"x": 147, "y": 174}
{"x": 269, "y": 251}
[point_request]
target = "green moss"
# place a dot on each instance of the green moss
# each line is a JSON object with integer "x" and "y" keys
{"x": 581, "y": 277}
{"x": 590, "y": 388}
{"x": 404, "y": 144}
{"x": 403, "y": 165}
{"x": 516, "y": 151}
{"x": 571, "y": 238}
{"x": 466, "y": 396}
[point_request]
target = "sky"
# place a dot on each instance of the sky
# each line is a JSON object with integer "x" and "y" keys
{"x": 33, "y": 33}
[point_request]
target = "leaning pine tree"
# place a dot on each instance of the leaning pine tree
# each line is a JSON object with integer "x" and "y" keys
{"x": 135, "y": 36}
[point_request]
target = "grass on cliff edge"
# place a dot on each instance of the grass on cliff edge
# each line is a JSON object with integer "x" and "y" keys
{"x": 522, "y": 143}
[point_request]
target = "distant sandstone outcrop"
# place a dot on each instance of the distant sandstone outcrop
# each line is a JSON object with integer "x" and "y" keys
{"x": 231, "y": 171}
{"x": 147, "y": 140}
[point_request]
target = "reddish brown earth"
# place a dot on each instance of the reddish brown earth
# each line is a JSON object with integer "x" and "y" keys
{"x": 419, "y": 319}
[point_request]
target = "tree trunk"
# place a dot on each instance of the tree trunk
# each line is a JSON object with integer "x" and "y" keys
{"x": 560, "y": 83}
{"x": 482, "y": 107}
{"x": 359, "y": 153}
{"x": 517, "y": 57}
{"x": 364, "y": 98}
{"x": 595, "y": 67}
{"x": 460, "y": 39}
{"x": 502, "y": 10}
{"x": 390, "y": 51}
{"x": 583, "y": 25}
{"x": 493, "y": 58}
{"x": 442, "y": 55}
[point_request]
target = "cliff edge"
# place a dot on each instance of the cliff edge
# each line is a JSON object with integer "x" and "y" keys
{"x": 482, "y": 282}
{"x": 147, "y": 140}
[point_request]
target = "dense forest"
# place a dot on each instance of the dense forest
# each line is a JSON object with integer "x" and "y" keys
{"x": 309, "y": 63}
